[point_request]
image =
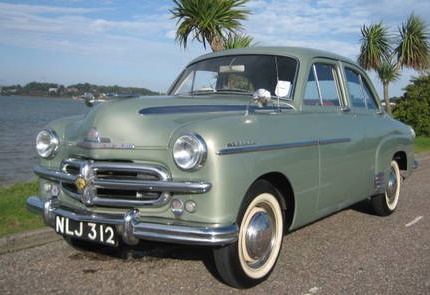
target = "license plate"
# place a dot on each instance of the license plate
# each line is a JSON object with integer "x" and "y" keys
{"x": 90, "y": 231}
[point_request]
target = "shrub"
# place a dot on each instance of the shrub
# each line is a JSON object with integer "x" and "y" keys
{"x": 413, "y": 108}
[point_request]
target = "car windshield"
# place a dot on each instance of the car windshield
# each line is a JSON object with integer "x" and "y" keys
{"x": 239, "y": 74}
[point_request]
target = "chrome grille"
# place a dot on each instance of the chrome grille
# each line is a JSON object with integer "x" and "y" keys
{"x": 116, "y": 184}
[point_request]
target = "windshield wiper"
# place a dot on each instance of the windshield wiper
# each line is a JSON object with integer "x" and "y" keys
{"x": 202, "y": 91}
{"x": 234, "y": 91}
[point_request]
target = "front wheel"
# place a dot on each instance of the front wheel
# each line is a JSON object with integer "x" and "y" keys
{"x": 252, "y": 258}
{"x": 386, "y": 203}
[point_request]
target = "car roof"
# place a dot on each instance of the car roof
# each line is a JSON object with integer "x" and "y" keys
{"x": 300, "y": 53}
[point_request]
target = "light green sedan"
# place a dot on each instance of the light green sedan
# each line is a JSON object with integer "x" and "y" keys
{"x": 247, "y": 145}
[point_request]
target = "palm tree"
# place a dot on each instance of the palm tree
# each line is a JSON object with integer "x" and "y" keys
{"x": 238, "y": 41}
{"x": 414, "y": 48}
{"x": 375, "y": 46}
{"x": 412, "y": 51}
{"x": 388, "y": 72}
{"x": 208, "y": 21}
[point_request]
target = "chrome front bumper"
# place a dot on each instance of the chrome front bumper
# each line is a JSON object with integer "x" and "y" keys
{"x": 132, "y": 227}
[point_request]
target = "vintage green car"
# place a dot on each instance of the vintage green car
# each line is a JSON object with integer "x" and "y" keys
{"x": 248, "y": 145}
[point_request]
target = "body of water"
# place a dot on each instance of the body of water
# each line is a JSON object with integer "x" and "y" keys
{"x": 21, "y": 118}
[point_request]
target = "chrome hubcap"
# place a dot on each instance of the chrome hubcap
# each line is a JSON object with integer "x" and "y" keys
{"x": 259, "y": 237}
{"x": 392, "y": 186}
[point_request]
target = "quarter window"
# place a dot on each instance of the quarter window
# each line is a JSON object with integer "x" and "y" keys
{"x": 360, "y": 95}
{"x": 322, "y": 86}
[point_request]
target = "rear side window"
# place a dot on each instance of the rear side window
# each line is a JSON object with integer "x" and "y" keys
{"x": 360, "y": 95}
{"x": 322, "y": 86}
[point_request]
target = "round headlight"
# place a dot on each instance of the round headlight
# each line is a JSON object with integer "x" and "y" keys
{"x": 189, "y": 152}
{"x": 47, "y": 143}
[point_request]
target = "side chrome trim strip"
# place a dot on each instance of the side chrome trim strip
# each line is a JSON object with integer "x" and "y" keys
{"x": 334, "y": 140}
{"x": 250, "y": 149}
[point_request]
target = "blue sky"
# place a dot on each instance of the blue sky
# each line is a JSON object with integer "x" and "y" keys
{"x": 132, "y": 42}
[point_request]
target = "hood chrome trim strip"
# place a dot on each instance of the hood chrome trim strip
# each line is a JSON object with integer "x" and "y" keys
{"x": 189, "y": 109}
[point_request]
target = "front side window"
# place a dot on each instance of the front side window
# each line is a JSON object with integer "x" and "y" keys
{"x": 360, "y": 95}
{"x": 322, "y": 86}
{"x": 239, "y": 74}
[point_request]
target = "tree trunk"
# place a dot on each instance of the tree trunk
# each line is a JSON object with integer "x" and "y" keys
{"x": 387, "y": 98}
{"x": 217, "y": 43}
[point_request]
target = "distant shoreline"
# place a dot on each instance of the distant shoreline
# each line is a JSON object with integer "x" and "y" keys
{"x": 41, "y": 96}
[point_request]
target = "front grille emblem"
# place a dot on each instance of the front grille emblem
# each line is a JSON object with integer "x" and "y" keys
{"x": 84, "y": 183}
{"x": 80, "y": 183}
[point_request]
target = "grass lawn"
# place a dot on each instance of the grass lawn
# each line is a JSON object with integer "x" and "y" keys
{"x": 422, "y": 144}
{"x": 14, "y": 216}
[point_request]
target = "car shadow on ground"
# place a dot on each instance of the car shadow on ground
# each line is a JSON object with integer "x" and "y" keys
{"x": 365, "y": 207}
{"x": 149, "y": 251}
{"x": 144, "y": 251}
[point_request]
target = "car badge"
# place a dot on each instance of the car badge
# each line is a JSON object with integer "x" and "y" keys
{"x": 80, "y": 183}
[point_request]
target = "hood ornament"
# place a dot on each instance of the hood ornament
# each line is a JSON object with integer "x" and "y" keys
{"x": 93, "y": 140}
{"x": 94, "y": 136}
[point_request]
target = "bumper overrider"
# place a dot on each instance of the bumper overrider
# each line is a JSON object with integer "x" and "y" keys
{"x": 155, "y": 188}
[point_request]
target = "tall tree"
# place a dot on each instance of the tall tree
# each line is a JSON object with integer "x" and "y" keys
{"x": 208, "y": 21}
{"x": 411, "y": 51}
{"x": 238, "y": 41}
{"x": 413, "y": 108}
{"x": 388, "y": 72}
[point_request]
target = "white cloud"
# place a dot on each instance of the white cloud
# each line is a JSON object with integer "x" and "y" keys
{"x": 143, "y": 44}
{"x": 144, "y": 39}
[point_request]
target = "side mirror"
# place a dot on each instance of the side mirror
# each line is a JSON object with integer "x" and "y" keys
{"x": 262, "y": 97}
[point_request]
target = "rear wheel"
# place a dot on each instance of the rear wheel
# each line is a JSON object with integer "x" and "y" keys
{"x": 386, "y": 203}
{"x": 252, "y": 258}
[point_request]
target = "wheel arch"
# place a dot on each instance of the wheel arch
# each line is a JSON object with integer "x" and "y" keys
{"x": 283, "y": 185}
{"x": 395, "y": 147}
{"x": 402, "y": 160}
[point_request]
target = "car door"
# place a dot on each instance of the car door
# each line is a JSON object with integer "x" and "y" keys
{"x": 340, "y": 138}
{"x": 369, "y": 116}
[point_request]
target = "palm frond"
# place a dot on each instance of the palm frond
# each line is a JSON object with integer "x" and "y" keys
{"x": 414, "y": 49}
{"x": 237, "y": 41}
{"x": 375, "y": 46}
{"x": 208, "y": 20}
{"x": 389, "y": 72}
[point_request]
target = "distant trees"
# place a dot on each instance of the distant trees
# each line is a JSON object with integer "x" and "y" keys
{"x": 215, "y": 22}
{"x": 52, "y": 89}
{"x": 411, "y": 49}
{"x": 413, "y": 108}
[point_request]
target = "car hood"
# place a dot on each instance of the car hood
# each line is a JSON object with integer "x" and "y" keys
{"x": 149, "y": 122}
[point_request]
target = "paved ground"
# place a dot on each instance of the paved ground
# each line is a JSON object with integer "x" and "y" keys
{"x": 352, "y": 252}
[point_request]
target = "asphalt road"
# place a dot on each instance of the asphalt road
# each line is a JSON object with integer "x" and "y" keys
{"x": 351, "y": 252}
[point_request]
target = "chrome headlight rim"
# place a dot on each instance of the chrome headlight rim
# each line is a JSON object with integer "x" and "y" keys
{"x": 189, "y": 152}
{"x": 47, "y": 143}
